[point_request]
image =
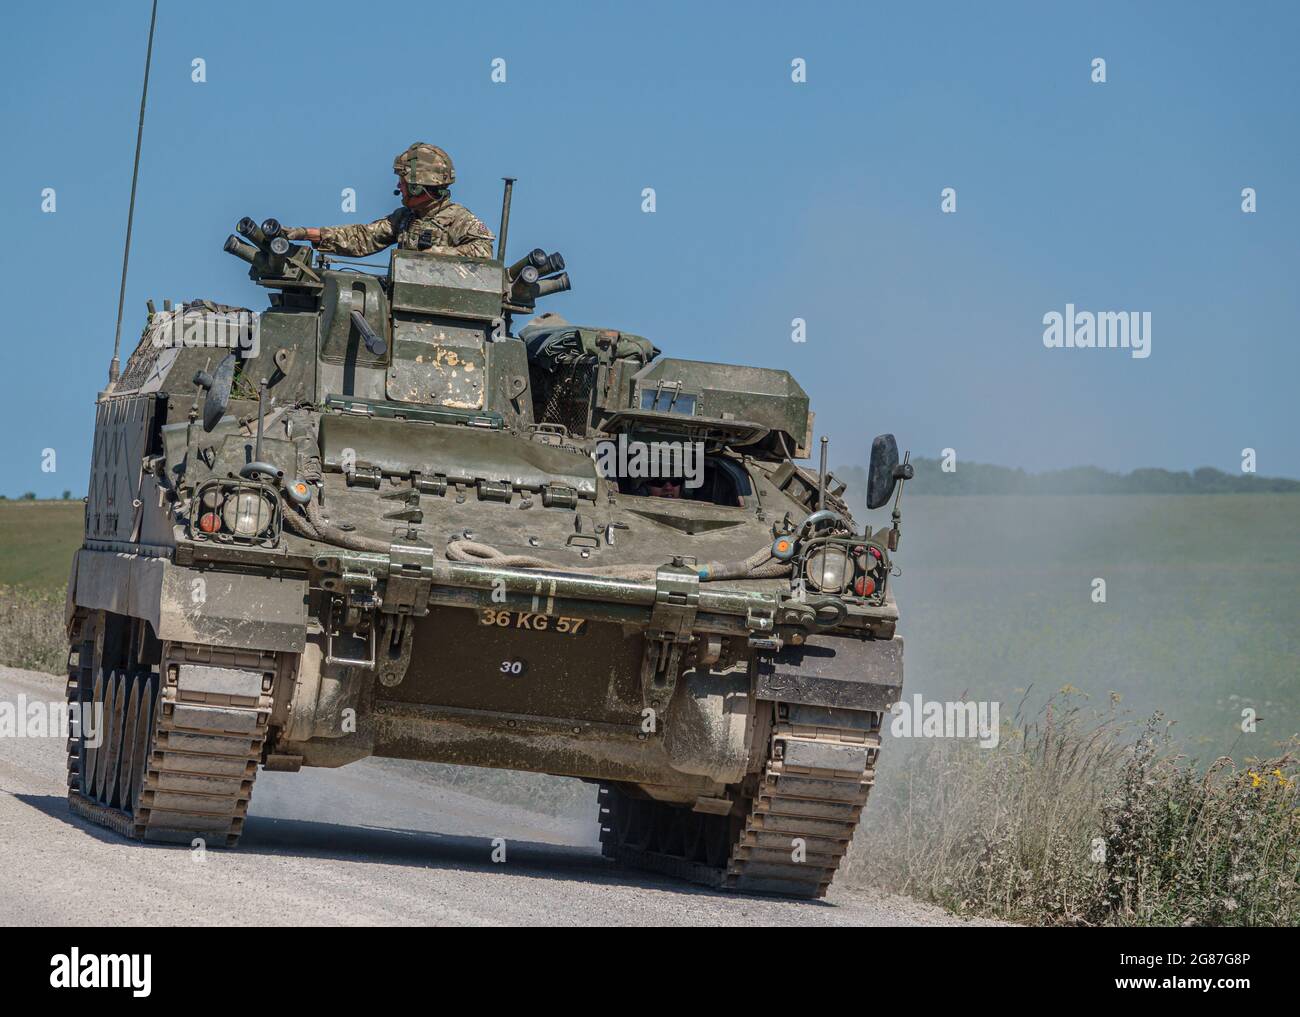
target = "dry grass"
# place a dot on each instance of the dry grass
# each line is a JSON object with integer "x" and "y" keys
{"x": 31, "y": 630}
{"x": 1077, "y": 820}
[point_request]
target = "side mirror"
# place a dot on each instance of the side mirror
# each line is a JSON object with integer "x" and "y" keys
{"x": 214, "y": 406}
{"x": 882, "y": 472}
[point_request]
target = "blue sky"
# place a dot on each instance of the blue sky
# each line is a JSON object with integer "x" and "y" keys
{"x": 775, "y": 200}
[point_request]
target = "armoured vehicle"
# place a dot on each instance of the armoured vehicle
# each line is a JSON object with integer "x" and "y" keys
{"x": 373, "y": 520}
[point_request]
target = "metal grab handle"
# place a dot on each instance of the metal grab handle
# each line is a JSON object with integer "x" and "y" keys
{"x": 820, "y": 516}
{"x": 250, "y": 471}
{"x": 330, "y": 658}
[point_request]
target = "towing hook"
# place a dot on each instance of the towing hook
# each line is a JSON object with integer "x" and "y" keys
{"x": 823, "y": 604}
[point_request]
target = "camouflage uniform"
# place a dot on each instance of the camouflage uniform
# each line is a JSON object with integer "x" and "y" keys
{"x": 443, "y": 227}
{"x": 451, "y": 229}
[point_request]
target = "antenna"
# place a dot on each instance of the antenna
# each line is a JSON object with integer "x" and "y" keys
{"x": 505, "y": 217}
{"x": 821, "y": 476}
{"x": 115, "y": 366}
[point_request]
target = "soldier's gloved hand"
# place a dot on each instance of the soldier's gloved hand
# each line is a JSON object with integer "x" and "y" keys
{"x": 293, "y": 232}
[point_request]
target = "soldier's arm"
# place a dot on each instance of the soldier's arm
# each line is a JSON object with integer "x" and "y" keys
{"x": 358, "y": 241}
{"x": 471, "y": 238}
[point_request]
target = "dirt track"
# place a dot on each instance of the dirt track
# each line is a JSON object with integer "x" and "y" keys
{"x": 360, "y": 845}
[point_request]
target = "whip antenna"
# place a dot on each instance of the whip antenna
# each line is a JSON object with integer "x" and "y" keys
{"x": 114, "y": 367}
{"x": 505, "y": 218}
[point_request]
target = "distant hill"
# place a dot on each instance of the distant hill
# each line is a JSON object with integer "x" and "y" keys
{"x": 984, "y": 478}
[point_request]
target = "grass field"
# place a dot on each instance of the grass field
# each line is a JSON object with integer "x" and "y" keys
{"x": 1201, "y": 618}
{"x": 37, "y": 539}
{"x": 1088, "y": 813}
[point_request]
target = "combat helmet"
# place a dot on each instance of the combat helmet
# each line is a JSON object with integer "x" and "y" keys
{"x": 425, "y": 165}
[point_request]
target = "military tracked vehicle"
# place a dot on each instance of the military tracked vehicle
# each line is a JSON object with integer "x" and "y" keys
{"x": 374, "y": 521}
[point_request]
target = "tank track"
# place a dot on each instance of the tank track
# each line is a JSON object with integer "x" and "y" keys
{"x": 786, "y": 836}
{"x": 174, "y": 764}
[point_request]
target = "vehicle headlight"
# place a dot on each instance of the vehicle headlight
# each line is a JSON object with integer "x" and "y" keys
{"x": 235, "y": 510}
{"x": 828, "y": 569}
{"x": 246, "y": 514}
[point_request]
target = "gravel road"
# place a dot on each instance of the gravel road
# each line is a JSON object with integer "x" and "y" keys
{"x": 367, "y": 844}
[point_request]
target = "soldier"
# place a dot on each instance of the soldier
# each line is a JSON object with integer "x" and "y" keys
{"x": 427, "y": 221}
{"x": 660, "y": 487}
{"x": 664, "y": 487}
